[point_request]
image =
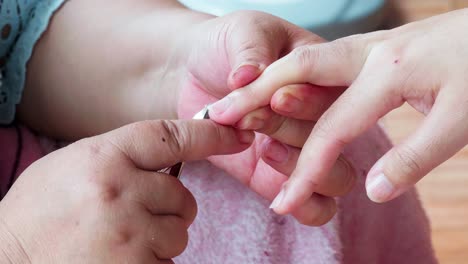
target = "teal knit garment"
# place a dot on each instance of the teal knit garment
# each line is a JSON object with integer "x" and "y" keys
{"x": 21, "y": 24}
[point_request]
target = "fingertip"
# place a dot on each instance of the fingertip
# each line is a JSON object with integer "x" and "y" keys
{"x": 244, "y": 75}
{"x": 250, "y": 123}
{"x": 275, "y": 151}
{"x": 286, "y": 103}
{"x": 230, "y": 109}
{"x": 380, "y": 189}
{"x": 255, "y": 120}
{"x": 316, "y": 211}
{"x": 291, "y": 197}
{"x": 245, "y": 137}
{"x": 217, "y": 111}
{"x": 277, "y": 201}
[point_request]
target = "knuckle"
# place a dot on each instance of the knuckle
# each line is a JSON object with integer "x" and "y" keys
{"x": 89, "y": 150}
{"x": 349, "y": 175}
{"x": 305, "y": 56}
{"x": 108, "y": 193}
{"x": 343, "y": 47}
{"x": 181, "y": 243}
{"x": 324, "y": 128}
{"x": 123, "y": 236}
{"x": 183, "y": 202}
{"x": 407, "y": 163}
{"x": 274, "y": 126}
{"x": 356, "y": 45}
{"x": 104, "y": 187}
{"x": 175, "y": 136}
{"x": 385, "y": 53}
{"x": 96, "y": 165}
{"x": 191, "y": 207}
{"x": 167, "y": 236}
{"x": 271, "y": 121}
{"x": 319, "y": 217}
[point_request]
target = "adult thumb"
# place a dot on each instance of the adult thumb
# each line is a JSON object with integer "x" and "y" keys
{"x": 153, "y": 145}
{"x": 439, "y": 138}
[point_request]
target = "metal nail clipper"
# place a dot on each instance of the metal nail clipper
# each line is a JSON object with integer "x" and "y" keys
{"x": 176, "y": 170}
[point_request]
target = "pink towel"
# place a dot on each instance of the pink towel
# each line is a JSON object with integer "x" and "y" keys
{"x": 234, "y": 225}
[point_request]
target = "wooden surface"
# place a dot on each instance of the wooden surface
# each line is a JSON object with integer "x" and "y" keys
{"x": 445, "y": 191}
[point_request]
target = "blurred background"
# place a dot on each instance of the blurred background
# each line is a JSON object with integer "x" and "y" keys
{"x": 444, "y": 192}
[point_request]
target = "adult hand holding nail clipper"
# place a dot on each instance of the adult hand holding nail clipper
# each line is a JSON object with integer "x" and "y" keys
{"x": 101, "y": 199}
{"x": 423, "y": 63}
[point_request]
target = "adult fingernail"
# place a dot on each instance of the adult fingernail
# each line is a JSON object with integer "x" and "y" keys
{"x": 221, "y": 106}
{"x": 245, "y": 137}
{"x": 251, "y": 124}
{"x": 276, "y": 152}
{"x": 289, "y": 104}
{"x": 279, "y": 198}
{"x": 380, "y": 189}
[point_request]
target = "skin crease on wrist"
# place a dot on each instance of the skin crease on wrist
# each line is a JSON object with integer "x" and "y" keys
{"x": 107, "y": 60}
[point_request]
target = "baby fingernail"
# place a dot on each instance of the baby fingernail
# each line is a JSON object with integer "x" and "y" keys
{"x": 276, "y": 152}
{"x": 289, "y": 104}
{"x": 279, "y": 198}
{"x": 245, "y": 74}
{"x": 251, "y": 124}
{"x": 221, "y": 106}
{"x": 245, "y": 137}
{"x": 380, "y": 189}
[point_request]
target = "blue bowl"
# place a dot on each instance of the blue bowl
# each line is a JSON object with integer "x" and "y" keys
{"x": 328, "y": 18}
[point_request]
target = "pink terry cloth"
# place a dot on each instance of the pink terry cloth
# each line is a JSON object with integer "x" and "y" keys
{"x": 19, "y": 147}
{"x": 234, "y": 225}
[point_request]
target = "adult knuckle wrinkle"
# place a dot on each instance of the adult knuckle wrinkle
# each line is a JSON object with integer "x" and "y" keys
{"x": 349, "y": 173}
{"x": 176, "y": 139}
{"x": 408, "y": 160}
{"x": 306, "y": 57}
{"x": 324, "y": 129}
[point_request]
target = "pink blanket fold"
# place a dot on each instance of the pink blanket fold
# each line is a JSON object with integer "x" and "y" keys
{"x": 234, "y": 225}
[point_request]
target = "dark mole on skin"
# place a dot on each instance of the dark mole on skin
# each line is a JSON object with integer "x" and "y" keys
{"x": 163, "y": 139}
{"x": 396, "y": 61}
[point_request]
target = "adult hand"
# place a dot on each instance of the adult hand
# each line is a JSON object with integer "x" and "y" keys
{"x": 101, "y": 200}
{"x": 225, "y": 53}
{"x": 422, "y": 63}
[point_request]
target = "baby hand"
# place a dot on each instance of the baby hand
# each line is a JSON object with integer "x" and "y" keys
{"x": 101, "y": 200}
{"x": 422, "y": 63}
{"x": 226, "y": 53}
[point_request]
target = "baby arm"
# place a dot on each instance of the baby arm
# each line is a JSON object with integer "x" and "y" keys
{"x": 103, "y": 64}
